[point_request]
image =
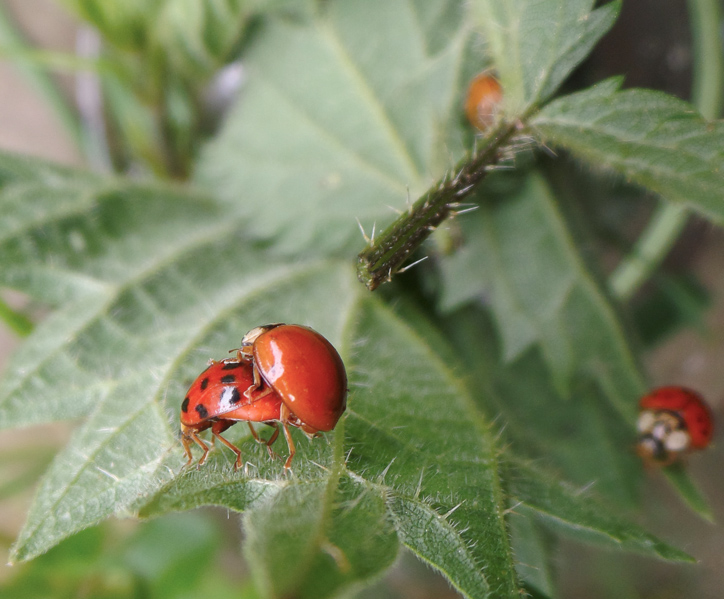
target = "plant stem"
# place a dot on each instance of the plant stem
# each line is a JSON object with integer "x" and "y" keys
{"x": 669, "y": 220}
{"x": 17, "y": 322}
{"x": 35, "y": 73}
{"x": 385, "y": 255}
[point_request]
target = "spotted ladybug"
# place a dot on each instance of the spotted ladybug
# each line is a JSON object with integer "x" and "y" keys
{"x": 672, "y": 422}
{"x": 483, "y": 100}
{"x": 282, "y": 374}
{"x": 216, "y": 400}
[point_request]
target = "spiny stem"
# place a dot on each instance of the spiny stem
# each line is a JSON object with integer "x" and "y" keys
{"x": 387, "y": 253}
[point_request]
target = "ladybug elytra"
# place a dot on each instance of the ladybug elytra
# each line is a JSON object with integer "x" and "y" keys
{"x": 483, "y": 100}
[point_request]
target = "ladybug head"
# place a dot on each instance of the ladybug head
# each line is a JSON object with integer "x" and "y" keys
{"x": 663, "y": 436}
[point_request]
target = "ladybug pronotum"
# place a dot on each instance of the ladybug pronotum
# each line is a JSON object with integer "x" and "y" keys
{"x": 673, "y": 421}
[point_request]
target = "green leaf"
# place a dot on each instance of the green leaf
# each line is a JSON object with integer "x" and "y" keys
{"x": 568, "y": 509}
{"x": 533, "y": 551}
{"x": 689, "y": 492}
{"x": 536, "y": 44}
{"x": 331, "y": 127}
{"x": 15, "y": 320}
{"x": 197, "y": 37}
{"x": 583, "y": 437}
{"x": 419, "y": 433}
{"x": 130, "y": 339}
{"x": 651, "y": 138}
{"x": 309, "y": 541}
{"x": 522, "y": 252}
{"x": 125, "y": 23}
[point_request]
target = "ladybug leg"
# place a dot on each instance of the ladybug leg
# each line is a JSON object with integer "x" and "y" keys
{"x": 186, "y": 443}
{"x": 243, "y": 354}
{"x": 284, "y": 418}
{"x": 235, "y": 449}
{"x": 290, "y": 443}
{"x": 271, "y": 440}
{"x": 193, "y": 436}
{"x": 255, "y": 434}
{"x": 268, "y": 443}
{"x": 257, "y": 383}
{"x": 219, "y": 427}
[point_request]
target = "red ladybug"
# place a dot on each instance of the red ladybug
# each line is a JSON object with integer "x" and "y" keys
{"x": 673, "y": 421}
{"x": 483, "y": 100}
{"x": 283, "y": 374}
{"x": 303, "y": 369}
{"x": 217, "y": 399}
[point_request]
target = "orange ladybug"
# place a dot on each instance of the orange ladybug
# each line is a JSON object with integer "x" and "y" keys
{"x": 483, "y": 100}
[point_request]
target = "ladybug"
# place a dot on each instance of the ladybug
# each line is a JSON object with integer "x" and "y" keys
{"x": 282, "y": 374}
{"x": 673, "y": 421}
{"x": 483, "y": 100}
{"x": 303, "y": 369}
{"x": 217, "y": 399}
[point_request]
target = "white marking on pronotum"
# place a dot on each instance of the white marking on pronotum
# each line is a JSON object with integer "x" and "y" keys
{"x": 646, "y": 421}
{"x": 677, "y": 441}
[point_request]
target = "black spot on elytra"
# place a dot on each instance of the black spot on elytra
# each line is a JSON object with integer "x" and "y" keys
{"x": 205, "y": 383}
{"x": 229, "y": 378}
{"x": 235, "y": 396}
{"x": 231, "y": 365}
{"x": 203, "y": 412}
{"x": 185, "y": 405}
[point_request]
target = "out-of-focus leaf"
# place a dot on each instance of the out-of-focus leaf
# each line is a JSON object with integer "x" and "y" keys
{"x": 583, "y": 437}
{"x": 125, "y": 23}
{"x": 557, "y": 504}
{"x": 536, "y": 44}
{"x": 313, "y": 538}
{"x": 651, "y": 138}
{"x": 330, "y": 127}
{"x": 533, "y": 554}
{"x": 521, "y": 252}
{"x": 689, "y": 492}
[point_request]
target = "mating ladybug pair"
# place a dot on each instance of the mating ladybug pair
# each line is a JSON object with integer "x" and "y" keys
{"x": 673, "y": 421}
{"x": 283, "y": 374}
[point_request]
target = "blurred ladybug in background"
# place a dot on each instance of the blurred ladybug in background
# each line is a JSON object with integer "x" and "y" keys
{"x": 483, "y": 100}
{"x": 673, "y": 421}
{"x": 282, "y": 374}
